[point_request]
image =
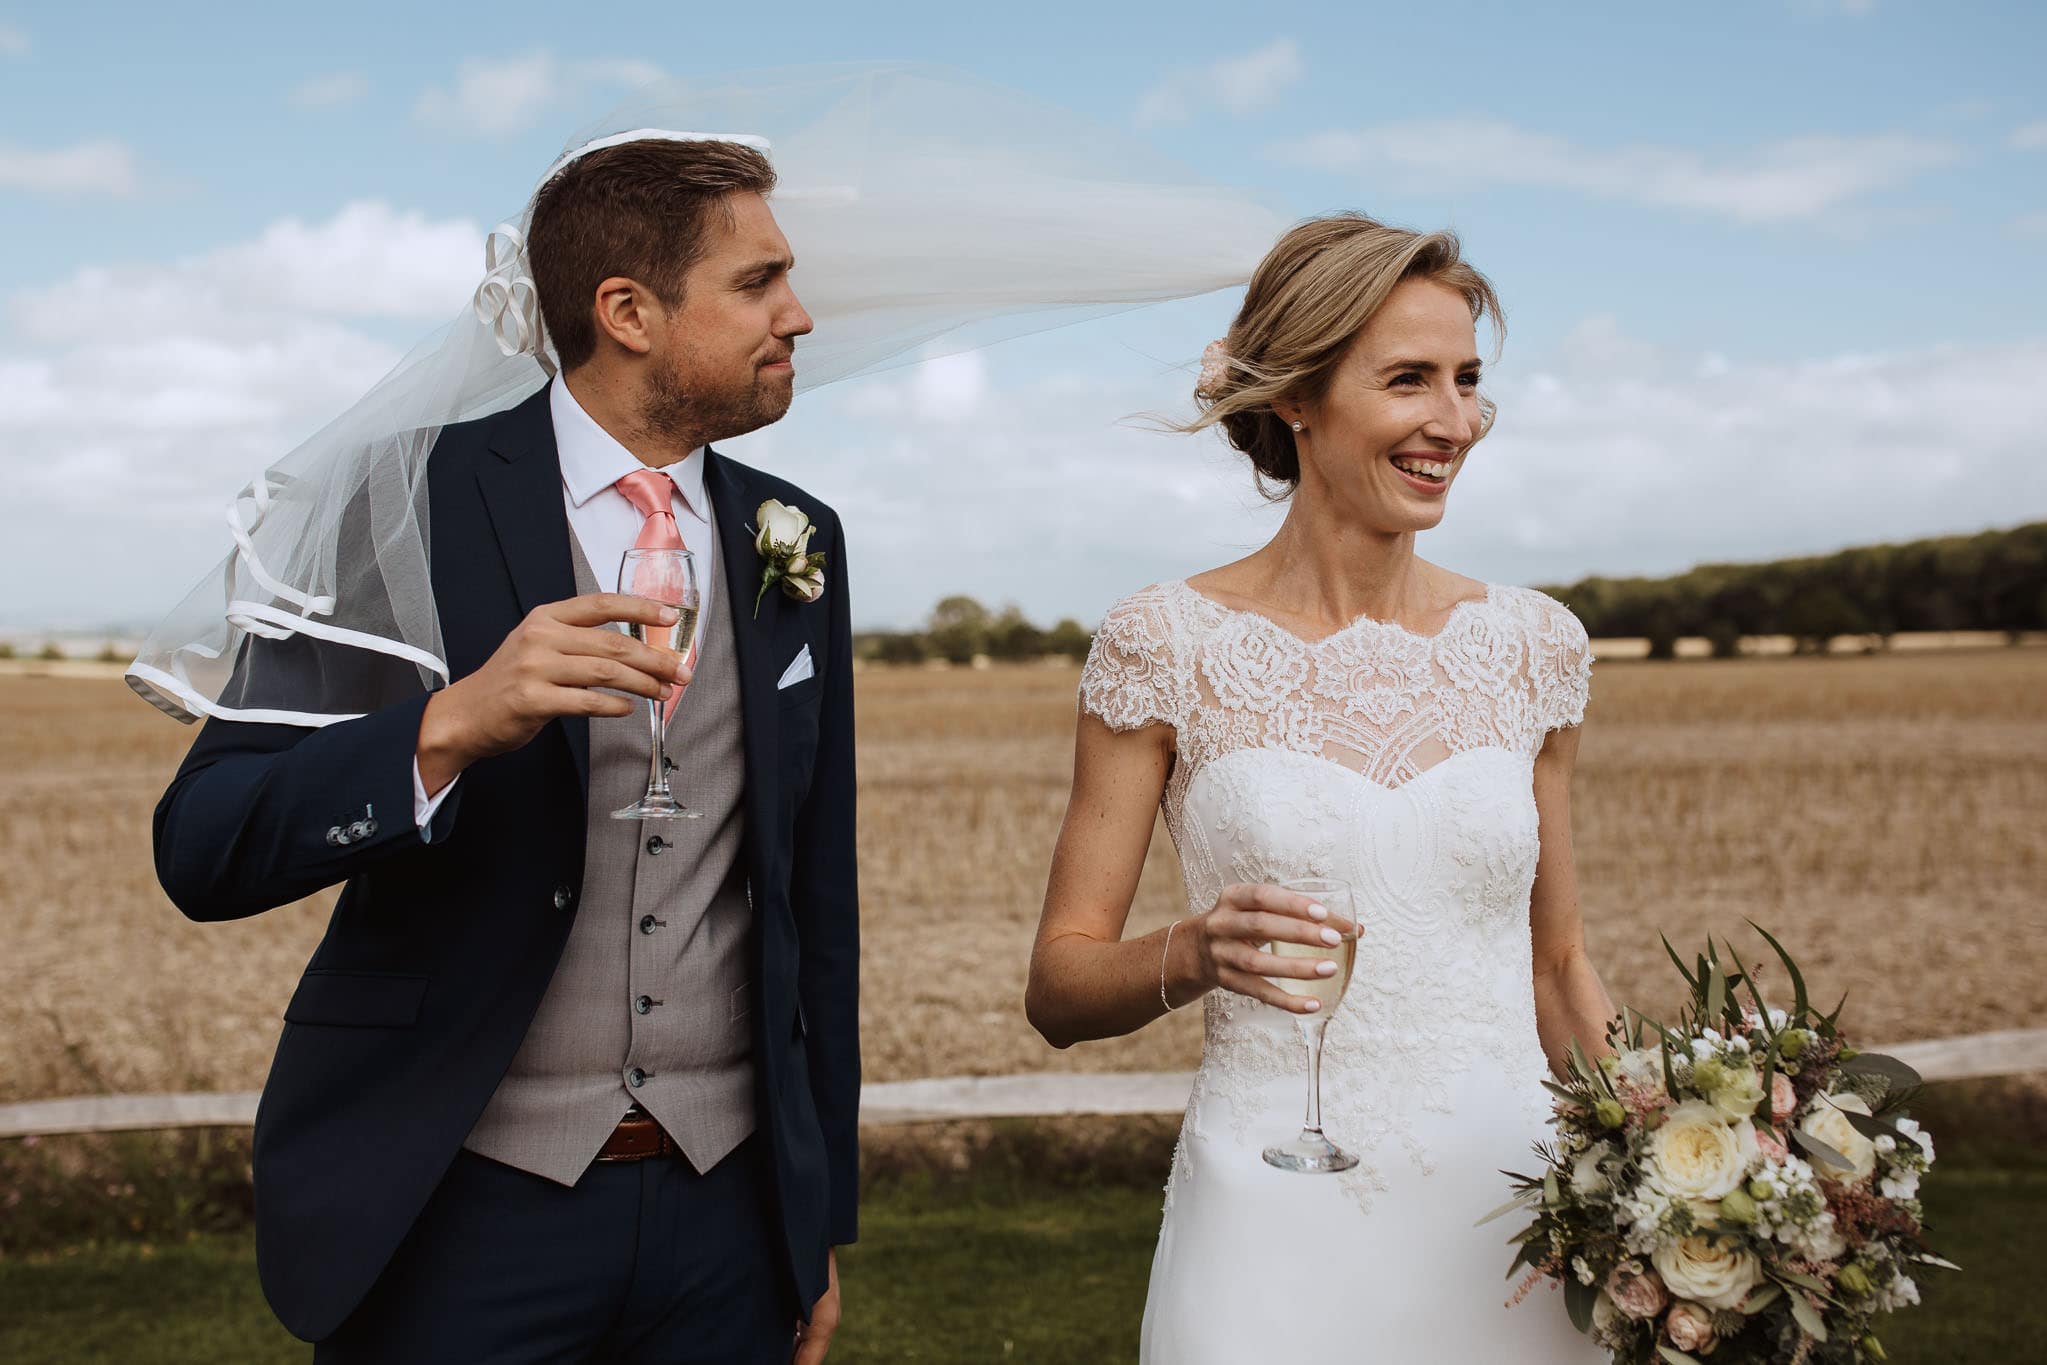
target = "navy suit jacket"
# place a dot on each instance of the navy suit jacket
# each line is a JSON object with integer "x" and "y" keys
{"x": 438, "y": 953}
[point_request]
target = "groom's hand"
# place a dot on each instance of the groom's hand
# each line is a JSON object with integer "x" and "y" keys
{"x": 815, "y": 1338}
{"x": 552, "y": 665}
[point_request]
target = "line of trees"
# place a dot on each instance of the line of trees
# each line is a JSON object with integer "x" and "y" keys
{"x": 959, "y": 629}
{"x": 1993, "y": 581}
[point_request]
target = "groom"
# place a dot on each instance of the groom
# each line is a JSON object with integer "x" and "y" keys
{"x": 557, "y": 1086}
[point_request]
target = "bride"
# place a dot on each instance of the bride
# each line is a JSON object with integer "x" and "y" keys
{"x": 1334, "y": 706}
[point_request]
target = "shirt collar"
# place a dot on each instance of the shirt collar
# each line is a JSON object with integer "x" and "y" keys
{"x": 592, "y": 460}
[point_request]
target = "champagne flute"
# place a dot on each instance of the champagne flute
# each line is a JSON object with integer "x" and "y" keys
{"x": 670, "y": 578}
{"x": 1311, "y": 1152}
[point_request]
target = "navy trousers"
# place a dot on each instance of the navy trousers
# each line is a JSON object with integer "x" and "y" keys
{"x": 642, "y": 1261}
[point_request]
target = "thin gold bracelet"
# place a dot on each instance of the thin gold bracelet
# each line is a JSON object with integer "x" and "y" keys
{"x": 1163, "y": 957}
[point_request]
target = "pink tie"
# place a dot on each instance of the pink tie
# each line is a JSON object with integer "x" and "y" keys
{"x": 651, "y": 493}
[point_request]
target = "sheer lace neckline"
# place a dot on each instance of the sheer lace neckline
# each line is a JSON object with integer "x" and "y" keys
{"x": 1363, "y": 624}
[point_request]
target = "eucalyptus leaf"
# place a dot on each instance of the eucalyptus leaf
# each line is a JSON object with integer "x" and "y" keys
{"x": 1761, "y": 1299}
{"x": 1928, "y": 1258}
{"x": 1716, "y": 994}
{"x": 1799, "y": 1278}
{"x": 1578, "y": 1301}
{"x": 1821, "y": 1150}
{"x": 1790, "y": 968}
{"x": 1551, "y": 1197}
{"x": 1872, "y": 1127}
{"x": 1808, "y": 1318}
{"x": 1564, "y": 1093}
{"x": 1519, "y": 1201}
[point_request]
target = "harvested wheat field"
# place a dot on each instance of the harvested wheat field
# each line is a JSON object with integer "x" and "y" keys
{"x": 1882, "y": 814}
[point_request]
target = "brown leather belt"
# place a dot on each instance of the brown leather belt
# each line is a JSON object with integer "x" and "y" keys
{"x": 636, "y": 1138}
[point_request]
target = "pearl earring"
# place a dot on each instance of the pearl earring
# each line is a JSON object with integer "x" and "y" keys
{"x": 1300, "y": 426}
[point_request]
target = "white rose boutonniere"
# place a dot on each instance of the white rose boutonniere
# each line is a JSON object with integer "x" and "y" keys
{"x": 782, "y": 539}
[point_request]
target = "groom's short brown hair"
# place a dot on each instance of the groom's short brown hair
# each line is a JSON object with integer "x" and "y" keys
{"x": 638, "y": 210}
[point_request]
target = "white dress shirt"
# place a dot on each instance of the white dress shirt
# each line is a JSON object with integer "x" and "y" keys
{"x": 605, "y": 523}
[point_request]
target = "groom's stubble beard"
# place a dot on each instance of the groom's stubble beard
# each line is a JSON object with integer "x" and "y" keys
{"x": 686, "y": 411}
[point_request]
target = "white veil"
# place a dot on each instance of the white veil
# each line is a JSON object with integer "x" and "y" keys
{"x": 922, "y": 205}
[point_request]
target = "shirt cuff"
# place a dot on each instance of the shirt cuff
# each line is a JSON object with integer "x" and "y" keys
{"x": 424, "y": 806}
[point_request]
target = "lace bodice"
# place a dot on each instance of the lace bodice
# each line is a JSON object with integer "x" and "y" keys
{"x": 1398, "y": 762}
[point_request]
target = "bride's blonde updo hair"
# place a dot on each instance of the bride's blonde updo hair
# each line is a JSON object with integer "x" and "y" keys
{"x": 1315, "y": 291}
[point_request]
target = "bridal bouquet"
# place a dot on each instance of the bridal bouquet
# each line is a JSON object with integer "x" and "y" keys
{"x": 1743, "y": 1184}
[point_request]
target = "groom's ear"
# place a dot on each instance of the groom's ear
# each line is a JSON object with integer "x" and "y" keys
{"x": 627, "y": 313}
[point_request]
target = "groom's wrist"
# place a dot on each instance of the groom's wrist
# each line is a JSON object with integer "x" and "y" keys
{"x": 443, "y": 752}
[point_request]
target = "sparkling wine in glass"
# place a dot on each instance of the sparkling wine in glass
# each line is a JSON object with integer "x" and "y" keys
{"x": 1311, "y": 1152}
{"x": 670, "y": 578}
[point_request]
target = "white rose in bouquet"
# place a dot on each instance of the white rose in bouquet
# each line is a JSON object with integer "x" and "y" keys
{"x": 1698, "y": 1154}
{"x": 1827, "y": 1121}
{"x": 1709, "y": 1270}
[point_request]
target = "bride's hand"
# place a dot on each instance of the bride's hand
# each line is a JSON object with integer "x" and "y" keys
{"x": 1228, "y": 940}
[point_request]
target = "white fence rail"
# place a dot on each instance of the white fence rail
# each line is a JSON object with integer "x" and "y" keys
{"x": 1040, "y": 1095}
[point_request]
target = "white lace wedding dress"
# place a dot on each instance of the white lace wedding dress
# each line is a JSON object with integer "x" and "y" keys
{"x": 1402, "y": 764}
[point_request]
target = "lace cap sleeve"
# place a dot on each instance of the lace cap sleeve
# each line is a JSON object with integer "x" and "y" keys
{"x": 1560, "y": 663}
{"x": 1132, "y": 677}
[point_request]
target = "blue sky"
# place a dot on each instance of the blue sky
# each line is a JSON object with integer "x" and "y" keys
{"x": 1774, "y": 271}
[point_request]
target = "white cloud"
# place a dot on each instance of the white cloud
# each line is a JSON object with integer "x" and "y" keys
{"x": 330, "y": 91}
{"x": 1788, "y": 179}
{"x": 147, "y": 394}
{"x": 1620, "y": 457}
{"x": 1238, "y": 85}
{"x": 13, "y": 42}
{"x": 100, "y": 167}
{"x": 941, "y": 389}
{"x": 368, "y": 261}
{"x": 2030, "y": 137}
{"x": 1611, "y": 456}
{"x": 493, "y": 98}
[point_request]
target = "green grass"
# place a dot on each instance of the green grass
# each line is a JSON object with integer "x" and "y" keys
{"x": 965, "y": 1269}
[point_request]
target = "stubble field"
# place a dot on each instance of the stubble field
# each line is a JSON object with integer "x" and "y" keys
{"x": 1883, "y": 815}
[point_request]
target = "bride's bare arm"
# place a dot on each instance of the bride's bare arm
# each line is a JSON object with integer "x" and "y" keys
{"x": 1570, "y": 1001}
{"x": 1086, "y": 980}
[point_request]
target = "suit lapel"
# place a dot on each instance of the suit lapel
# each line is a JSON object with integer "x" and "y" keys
{"x": 522, "y": 490}
{"x": 739, "y": 568}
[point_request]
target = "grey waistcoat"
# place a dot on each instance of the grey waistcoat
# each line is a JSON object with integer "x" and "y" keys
{"x": 649, "y": 1002}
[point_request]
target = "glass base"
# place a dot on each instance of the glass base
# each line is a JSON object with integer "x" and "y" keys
{"x": 1310, "y": 1154}
{"x": 656, "y": 806}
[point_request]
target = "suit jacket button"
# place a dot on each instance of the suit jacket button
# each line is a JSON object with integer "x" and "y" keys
{"x": 335, "y": 837}
{"x": 648, "y": 923}
{"x": 562, "y": 898}
{"x": 656, "y": 845}
{"x": 643, "y": 1003}
{"x": 636, "y": 1078}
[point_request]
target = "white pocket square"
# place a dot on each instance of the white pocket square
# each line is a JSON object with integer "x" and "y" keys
{"x": 799, "y": 668}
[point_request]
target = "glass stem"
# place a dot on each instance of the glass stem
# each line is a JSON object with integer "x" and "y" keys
{"x": 1311, "y": 1034}
{"x": 657, "y": 753}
